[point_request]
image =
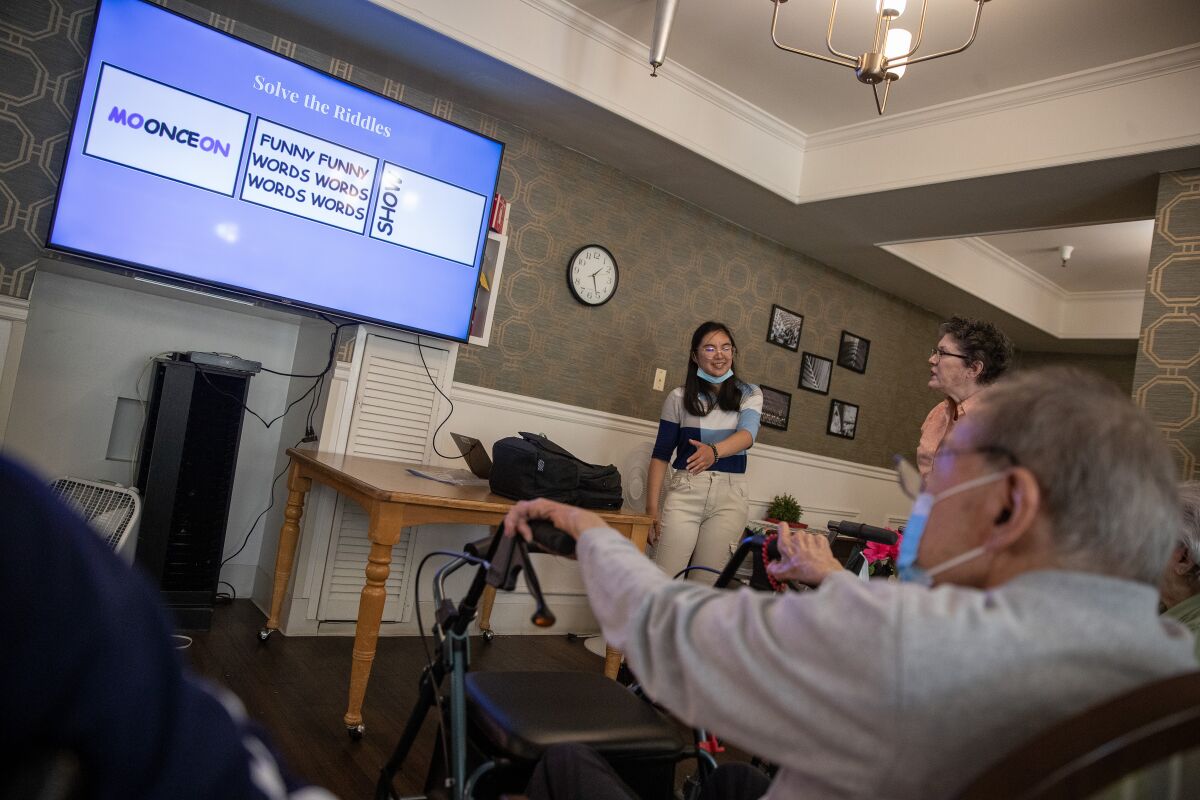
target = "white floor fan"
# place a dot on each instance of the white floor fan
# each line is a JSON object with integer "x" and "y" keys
{"x": 110, "y": 509}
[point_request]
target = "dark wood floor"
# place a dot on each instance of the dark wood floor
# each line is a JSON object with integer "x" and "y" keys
{"x": 296, "y": 688}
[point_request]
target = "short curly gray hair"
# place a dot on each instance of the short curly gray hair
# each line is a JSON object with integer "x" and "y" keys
{"x": 1108, "y": 484}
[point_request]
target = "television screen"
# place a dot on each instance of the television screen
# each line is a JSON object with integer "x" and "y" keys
{"x": 203, "y": 158}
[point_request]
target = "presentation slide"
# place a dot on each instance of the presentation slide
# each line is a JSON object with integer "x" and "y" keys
{"x": 200, "y": 156}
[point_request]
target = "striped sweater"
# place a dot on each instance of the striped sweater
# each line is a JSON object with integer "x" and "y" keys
{"x": 676, "y": 426}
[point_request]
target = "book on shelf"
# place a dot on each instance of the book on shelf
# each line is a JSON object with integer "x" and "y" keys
{"x": 499, "y": 220}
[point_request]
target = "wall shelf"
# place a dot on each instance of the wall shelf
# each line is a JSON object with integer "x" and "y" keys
{"x": 485, "y": 298}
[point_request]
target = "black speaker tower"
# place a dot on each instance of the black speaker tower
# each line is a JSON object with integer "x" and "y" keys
{"x": 185, "y": 474}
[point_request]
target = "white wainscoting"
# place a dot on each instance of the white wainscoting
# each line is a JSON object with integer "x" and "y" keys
{"x": 827, "y": 488}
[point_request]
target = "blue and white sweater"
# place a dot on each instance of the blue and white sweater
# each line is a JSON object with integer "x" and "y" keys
{"x": 676, "y": 426}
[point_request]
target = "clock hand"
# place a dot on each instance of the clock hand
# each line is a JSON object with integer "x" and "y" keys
{"x": 594, "y": 281}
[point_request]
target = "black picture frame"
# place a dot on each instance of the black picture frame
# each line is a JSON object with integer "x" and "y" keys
{"x": 777, "y": 407}
{"x": 843, "y": 419}
{"x": 853, "y": 351}
{"x": 815, "y": 373}
{"x": 784, "y": 328}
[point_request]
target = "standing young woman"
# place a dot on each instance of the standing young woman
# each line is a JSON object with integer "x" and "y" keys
{"x": 708, "y": 423}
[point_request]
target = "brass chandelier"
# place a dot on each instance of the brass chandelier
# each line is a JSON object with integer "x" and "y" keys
{"x": 891, "y": 52}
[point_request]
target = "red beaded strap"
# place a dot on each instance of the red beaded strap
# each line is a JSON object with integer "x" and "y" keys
{"x": 776, "y": 585}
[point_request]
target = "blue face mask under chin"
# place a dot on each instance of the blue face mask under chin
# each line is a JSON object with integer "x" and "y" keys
{"x": 720, "y": 379}
{"x": 906, "y": 561}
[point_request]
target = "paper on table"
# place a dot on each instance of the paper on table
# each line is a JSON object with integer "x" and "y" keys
{"x": 454, "y": 477}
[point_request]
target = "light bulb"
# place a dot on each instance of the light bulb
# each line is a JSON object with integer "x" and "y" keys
{"x": 898, "y": 42}
{"x": 891, "y": 8}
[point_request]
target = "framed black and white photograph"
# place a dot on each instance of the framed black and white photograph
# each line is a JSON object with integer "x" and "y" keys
{"x": 852, "y": 353}
{"x": 777, "y": 406}
{"x": 785, "y": 328}
{"x": 843, "y": 419}
{"x": 815, "y": 372}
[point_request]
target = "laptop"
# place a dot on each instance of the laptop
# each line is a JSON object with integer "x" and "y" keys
{"x": 475, "y": 454}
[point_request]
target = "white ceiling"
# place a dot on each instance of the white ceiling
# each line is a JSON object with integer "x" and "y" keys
{"x": 1057, "y": 121}
{"x": 1020, "y": 42}
{"x": 1106, "y": 258}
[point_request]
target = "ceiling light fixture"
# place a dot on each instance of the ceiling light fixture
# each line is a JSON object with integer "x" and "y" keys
{"x": 1064, "y": 253}
{"x": 892, "y": 50}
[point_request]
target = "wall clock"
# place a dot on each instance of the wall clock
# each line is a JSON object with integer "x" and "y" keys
{"x": 592, "y": 275}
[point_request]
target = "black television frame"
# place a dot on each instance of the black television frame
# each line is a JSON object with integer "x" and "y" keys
{"x": 238, "y": 293}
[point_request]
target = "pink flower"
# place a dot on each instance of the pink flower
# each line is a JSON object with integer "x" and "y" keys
{"x": 874, "y": 551}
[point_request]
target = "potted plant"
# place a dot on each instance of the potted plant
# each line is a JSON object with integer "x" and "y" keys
{"x": 784, "y": 508}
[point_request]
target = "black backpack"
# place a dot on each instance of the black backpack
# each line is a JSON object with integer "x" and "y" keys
{"x": 532, "y": 466}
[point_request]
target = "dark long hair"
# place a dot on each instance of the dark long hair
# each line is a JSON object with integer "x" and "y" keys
{"x": 697, "y": 393}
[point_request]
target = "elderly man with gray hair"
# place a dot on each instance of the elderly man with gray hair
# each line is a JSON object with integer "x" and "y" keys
{"x": 1180, "y": 586}
{"x": 1036, "y": 544}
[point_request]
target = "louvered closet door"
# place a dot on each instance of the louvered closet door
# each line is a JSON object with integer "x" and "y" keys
{"x": 395, "y": 410}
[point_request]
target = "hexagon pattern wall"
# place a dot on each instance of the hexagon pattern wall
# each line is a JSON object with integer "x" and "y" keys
{"x": 1167, "y": 377}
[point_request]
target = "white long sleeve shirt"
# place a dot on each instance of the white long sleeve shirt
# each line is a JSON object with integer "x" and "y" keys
{"x": 879, "y": 689}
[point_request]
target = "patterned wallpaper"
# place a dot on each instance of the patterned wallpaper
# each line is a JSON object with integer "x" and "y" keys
{"x": 678, "y": 264}
{"x": 42, "y": 48}
{"x": 1167, "y": 377}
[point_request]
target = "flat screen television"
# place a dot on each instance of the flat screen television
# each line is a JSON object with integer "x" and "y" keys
{"x": 210, "y": 161}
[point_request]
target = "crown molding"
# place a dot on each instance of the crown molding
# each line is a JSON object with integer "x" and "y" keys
{"x": 638, "y": 52}
{"x": 998, "y": 259}
{"x": 757, "y": 138}
{"x": 1113, "y": 295}
{"x": 1133, "y": 70}
{"x": 557, "y": 42}
{"x": 1025, "y": 293}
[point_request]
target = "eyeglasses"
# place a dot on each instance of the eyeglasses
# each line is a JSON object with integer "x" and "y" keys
{"x": 939, "y": 354}
{"x": 711, "y": 350}
{"x": 909, "y": 477}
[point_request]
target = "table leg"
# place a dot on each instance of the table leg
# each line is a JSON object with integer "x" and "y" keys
{"x": 485, "y": 611}
{"x": 289, "y": 535}
{"x": 384, "y": 532}
{"x": 612, "y": 661}
{"x": 612, "y": 656}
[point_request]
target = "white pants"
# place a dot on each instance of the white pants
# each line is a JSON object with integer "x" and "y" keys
{"x": 701, "y": 515}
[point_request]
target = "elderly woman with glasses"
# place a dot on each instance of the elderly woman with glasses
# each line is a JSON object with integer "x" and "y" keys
{"x": 970, "y": 355}
{"x": 1179, "y": 589}
{"x": 704, "y": 430}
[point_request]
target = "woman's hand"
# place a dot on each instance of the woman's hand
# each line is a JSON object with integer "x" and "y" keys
{"x": 568, "y": 519}
{"x": 703, "y": 457}
{"x": 655, "y": 530}
{"x": 803, "y": 557}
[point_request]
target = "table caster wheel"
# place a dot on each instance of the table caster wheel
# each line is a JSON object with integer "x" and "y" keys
{"x": 265, "y": 634}
{"x": 355, "y": 732}
{"x": 488, "y": 635}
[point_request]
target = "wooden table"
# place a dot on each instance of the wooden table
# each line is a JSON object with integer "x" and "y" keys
{"x": 393, "y": 499}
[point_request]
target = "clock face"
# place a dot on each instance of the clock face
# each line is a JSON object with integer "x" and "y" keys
{"x": 592, "y": 275}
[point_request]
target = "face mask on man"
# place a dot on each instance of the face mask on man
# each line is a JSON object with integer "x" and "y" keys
{"x": 906, "y": 562}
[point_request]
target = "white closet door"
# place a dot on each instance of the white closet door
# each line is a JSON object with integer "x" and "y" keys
{"x": 395, "y": 410}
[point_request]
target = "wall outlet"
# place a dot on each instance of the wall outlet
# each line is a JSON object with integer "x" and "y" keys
{"x": 660, "y": 379}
